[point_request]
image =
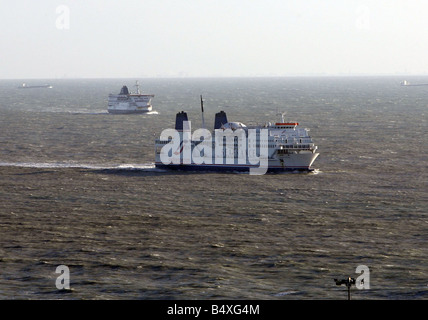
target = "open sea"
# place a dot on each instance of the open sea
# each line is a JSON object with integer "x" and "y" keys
{"x": 78, "y": 188}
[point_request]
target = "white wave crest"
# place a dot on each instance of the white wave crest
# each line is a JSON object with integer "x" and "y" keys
{"x": 62, "y": 165}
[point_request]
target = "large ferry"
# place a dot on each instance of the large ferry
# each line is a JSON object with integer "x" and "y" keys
{"x": 126, "y": 102}
{"x": 289, "y": 147}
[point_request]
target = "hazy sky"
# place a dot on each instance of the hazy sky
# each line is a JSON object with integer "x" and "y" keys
{"x": 150, "y": 38}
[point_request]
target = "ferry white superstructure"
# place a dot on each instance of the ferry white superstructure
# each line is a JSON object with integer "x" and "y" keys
{"x": 126, "y": 102}
{"x": 290, "y": 147}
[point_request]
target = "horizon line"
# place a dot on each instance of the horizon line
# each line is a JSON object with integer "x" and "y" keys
{"x": 303, "y": 75}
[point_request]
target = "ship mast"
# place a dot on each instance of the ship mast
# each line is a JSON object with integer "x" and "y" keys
{"x": 202, "y": 108}
{"x": 138, "y": 87}
{"x": 282, "y": 114}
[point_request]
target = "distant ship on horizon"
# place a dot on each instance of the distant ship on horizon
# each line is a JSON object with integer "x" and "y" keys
{"x": 25, "y": 86}
{"x": 406, "y": 83}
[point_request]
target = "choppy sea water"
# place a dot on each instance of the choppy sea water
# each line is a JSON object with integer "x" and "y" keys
{"x": 78, "y": 188}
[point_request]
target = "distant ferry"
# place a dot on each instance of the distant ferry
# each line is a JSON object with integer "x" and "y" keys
{"x": 127, "y": 103}
{"x": 290, "y": 148}
{"x": 25, "y": 86}
{"x": 406, "y": 83}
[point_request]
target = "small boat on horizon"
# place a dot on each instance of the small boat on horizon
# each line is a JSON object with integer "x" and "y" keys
{"x": 25, "y": 86}
{"x": 406, "y": 83}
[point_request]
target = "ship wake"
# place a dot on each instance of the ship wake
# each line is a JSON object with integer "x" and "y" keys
{"x": 76, "y": 165}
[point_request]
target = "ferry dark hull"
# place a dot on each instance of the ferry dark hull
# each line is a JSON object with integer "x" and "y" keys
{"x": 226, "y": 168}
{"x": 128, "y": 111}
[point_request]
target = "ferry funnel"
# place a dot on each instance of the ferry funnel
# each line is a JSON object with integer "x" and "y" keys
{"x": 179, "y": 118}
{"x": 220, "y": 119}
